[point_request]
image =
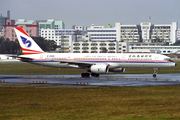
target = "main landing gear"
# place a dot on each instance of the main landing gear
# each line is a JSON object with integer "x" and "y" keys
{"x": 94, "y": 74}
{"x": 85, "y": 75}
{"x": 155, "y": 72}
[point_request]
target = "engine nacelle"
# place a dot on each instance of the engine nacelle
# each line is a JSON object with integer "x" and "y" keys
{"x": 99, "y": 69}
{"x": 117, "y": 70}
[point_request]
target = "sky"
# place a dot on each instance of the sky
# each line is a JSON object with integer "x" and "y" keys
{"x": 97, "y": 12}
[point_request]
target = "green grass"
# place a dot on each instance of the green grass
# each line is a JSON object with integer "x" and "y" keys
{"x": 26, "y": 68}
{"x": 109, "y": 103}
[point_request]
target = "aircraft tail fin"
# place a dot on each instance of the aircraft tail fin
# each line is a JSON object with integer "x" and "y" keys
{"x": 28, "y": 45}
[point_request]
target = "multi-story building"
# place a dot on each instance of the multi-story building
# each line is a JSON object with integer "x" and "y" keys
{"x": 50, "y": 24}
{"x": 146, "y": 28}
{"x": 29, "y": 26}
{"x": 99, "y": 47}
{"x": 104, "y": 33}
{"x": 76, "y": 41}
{"x": 156, "y": 49}
{"x": 57, "y": 34}
{"x": 158, "y": 32}
{"x": 3, "y": 20}
{"x": 178, "y": 34}
{"x": 130, "y": 33}
{"x": 110, "y": 39}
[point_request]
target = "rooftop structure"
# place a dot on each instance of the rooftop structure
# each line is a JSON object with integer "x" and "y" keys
{"x": 24, "y": 22}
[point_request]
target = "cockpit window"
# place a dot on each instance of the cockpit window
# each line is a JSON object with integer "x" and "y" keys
{"x": 168, "y": 59}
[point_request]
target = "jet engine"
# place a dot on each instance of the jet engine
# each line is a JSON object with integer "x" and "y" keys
{"x": 117, "y": 70}
{"x": 98, "y": 69}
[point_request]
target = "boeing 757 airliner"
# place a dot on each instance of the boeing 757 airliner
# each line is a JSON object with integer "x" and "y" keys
{"x": 95, "y": 63}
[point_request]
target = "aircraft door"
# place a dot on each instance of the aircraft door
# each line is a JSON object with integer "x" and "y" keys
{"x": 156, "y": 59}
{"x": 123, "y": 59}
{"x": 69, "y": 58}
{"x": 41, "y": 58}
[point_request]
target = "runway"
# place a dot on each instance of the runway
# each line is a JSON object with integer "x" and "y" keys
{"x": 138, "y": 80}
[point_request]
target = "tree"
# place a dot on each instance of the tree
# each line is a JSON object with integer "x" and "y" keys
{"x": 8, "y": 47}
{"x": 45, "y": 45}
{"x": 13, "y": 47}
{"x": 177, "y": 43}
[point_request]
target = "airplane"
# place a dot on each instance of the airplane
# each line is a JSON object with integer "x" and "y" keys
{"x": 99, "y": 63}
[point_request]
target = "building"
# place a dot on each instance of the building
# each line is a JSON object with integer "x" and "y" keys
{"x": 130, "y": 33}
{"x": 104, "y": 33}
{"x": 158, "y": 32}
{"x": 110, "y": 39}
{"x": 178, "y": 34}
{"x": 146, "y": 28}
{"x": 58, "y": 34}
{"x": 30, "y": 27}
{"x": 76, "y": 41}
{"x": 3, "y": 20}
{"x": 1, "y": 33}
{"x": 50, "y": 24}
{"x": 99, "y": 47}
{"x": 156, "y": 49}
{"x": 8, "y": 31}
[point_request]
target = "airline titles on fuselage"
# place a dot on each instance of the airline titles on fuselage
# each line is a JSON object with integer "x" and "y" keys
{"x": 108, "y": 57}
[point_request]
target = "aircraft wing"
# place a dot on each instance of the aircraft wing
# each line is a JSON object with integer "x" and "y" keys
{"x": 80, "y": 64}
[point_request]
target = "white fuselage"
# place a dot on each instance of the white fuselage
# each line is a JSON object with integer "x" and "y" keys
{"x": 113, "y": 60}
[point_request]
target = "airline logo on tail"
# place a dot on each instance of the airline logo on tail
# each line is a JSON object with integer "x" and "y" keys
{"x": 26, "y": 42}
{"x": 28, "y": 45}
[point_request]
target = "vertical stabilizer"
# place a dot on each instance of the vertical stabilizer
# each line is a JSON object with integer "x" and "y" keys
{"x": 28, "y": 45}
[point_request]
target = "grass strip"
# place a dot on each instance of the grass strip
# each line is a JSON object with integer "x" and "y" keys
{"x": 159, "y": 102}
{"x": 18, "y": 68}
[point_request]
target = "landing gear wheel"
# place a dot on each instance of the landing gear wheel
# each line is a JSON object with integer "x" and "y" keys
{"x": 94, "y": 74}
{"x": 154, "y": 75}
{"x": 97, "y": 75}
{"x": 85, "y": 75}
